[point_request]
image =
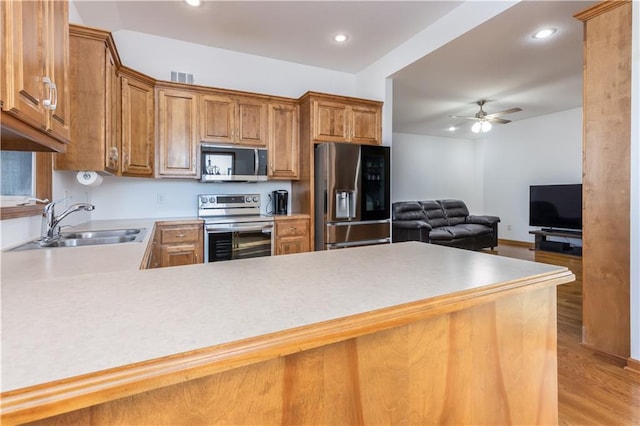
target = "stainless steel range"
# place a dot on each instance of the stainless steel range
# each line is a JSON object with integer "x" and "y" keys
{"x": 234, "y": 227}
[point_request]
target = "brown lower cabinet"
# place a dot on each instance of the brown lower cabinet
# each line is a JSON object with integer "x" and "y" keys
{"x": 292, "y": 235}
{"x": 177, "y": 244}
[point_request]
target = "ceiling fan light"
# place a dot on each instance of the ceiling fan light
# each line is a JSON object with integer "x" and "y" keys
{"x": 486, "y": 126}
{"x": 477, "y": 126}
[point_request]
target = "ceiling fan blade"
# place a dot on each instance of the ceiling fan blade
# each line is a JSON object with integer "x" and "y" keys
{"x": 499, "y": 120}
{"x": 501, "y": 113}
{"x": 463, "y": 116}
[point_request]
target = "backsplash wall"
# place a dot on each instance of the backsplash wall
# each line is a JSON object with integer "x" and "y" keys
{"x": 125, "y": 198}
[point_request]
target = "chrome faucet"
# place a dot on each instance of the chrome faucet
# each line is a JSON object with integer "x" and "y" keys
{"x": 50, "y": 222}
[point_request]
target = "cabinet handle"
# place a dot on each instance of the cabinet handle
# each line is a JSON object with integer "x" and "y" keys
{"x": 54, "y": 103}
{"x": 180, "y": 235}
{"x": 47, "y": 82}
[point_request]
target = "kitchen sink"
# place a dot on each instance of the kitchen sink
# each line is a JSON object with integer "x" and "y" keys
{"x": 88, "y": 238}
{"x": 109, "y": 233}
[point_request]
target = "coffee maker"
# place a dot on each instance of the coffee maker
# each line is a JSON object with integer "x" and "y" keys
{"x": 280, "y": 200}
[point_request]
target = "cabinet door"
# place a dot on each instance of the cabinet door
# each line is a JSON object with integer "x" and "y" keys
{"x": 365, "y": 126}
{"x": 58, "y": 62}
{"x": 23, "y": 61}
{"x": 179, "y": 255}
{"x": 292, "y": 236}
{"x": 252, "y": 122}
{"x": 291, "y": 245}
{"x": 283, "y": 142}
{"x": 217, "y": 118}
{"x": 329, "y": 122}
{"x": 177, "y": 134}
{"x": 137, "y": 127}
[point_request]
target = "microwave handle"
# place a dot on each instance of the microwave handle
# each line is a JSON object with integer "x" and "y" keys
{"x": 256, "y": 163}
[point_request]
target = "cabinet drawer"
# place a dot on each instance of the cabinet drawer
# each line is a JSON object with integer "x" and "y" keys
{"x": 295, "y": 227}
{"x": 179, "y": 234}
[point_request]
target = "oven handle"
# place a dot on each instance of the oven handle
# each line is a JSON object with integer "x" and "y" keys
{"x": 267, "y": 229}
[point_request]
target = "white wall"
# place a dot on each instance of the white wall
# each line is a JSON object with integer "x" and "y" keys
{"x": 541, "y": 150}
{"x": 430, "y": 168}
{"x": 123, "y": 198}
{"x": 158, "y": 56}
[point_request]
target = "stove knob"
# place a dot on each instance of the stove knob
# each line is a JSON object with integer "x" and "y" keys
{"x": 247, "y": 199}
{"x": 203, "y": 199}
{"x": 255, "y": 198}
{"x": 212, "y": 199}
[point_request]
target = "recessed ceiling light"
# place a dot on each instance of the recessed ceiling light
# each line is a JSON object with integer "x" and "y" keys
{"x": 452, "y": 129}
{"x": 194, "y": 3}
{"x": 544, "y": 33}
{"x": 340, "y": 38}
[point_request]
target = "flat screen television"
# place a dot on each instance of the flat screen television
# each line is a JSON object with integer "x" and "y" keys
{"x": 556, "y": 206}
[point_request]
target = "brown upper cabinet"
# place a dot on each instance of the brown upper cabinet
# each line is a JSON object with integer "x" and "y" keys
{"x": 233, "y": 119}
{"x": 344, "y": 119}
{"x": 284, "y": 141}
{"x": 95, "y": 96}
{"x": 177, "y": 132}
{"x": 137, "y": 123}
{"x": 34, "y": 87}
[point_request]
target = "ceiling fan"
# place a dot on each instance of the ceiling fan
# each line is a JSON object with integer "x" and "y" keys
{"x": 483, "y": 121}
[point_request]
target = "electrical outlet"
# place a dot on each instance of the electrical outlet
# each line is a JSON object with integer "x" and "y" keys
{"x": 160, "y": 197}
{"x": 508, "y": 227}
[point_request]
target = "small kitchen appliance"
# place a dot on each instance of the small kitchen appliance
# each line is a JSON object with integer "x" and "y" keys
{"x": 234, "y": 227}
{"x": 232, "y": 164}
{"x": 280, "y": 200}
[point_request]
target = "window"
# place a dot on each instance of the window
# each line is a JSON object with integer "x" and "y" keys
{"x": 24, "y": 174}
{"x": 17, "y": 176}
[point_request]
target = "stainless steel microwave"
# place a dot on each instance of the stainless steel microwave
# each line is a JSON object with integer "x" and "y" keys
{"x": 232, "y": 164}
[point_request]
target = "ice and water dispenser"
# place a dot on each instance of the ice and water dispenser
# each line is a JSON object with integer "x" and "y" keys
{"x": 345, "y": 204}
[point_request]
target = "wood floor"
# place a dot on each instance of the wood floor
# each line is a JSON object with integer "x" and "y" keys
{"x": 593, "y": 389}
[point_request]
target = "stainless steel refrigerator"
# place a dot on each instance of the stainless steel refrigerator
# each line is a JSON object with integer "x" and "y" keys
{"x": 352, "y": 185}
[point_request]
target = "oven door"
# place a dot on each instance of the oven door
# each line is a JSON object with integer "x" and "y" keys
{"x": 238, "y": 241}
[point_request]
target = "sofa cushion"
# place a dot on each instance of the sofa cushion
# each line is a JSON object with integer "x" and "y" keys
{"x": 476, "y": 229}
{"x": 456, "y": 211}
{"x": 439, "y": 234}
{"x": 449, "y": 233}
{"x": 434, "y": 213}
{"x": 403, "y": 210}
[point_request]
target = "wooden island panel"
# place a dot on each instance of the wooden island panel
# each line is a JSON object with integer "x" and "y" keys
{"x": 488, "y": 359}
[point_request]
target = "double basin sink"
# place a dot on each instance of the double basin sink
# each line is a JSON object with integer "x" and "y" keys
{"x": 88, "y": 238}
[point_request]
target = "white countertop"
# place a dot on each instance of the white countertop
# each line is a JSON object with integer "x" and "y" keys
{"x": 71, "y": 311}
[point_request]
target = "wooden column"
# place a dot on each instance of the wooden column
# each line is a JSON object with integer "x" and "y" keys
{"x": 606, "y": 177}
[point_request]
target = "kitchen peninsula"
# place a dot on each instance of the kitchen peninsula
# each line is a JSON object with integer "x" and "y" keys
{"x": 397, "y": 333}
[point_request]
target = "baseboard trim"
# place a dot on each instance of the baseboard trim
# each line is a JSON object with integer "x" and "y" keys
{"x": 633, "y": 365}
{"x": 603, "y": 352}
{"x": 515, "y": 243}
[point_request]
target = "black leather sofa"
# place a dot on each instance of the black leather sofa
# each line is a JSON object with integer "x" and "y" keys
{"x": 443, "y": 222}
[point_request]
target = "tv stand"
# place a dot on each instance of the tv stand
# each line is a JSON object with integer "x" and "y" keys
{"x": 542, "y": 244}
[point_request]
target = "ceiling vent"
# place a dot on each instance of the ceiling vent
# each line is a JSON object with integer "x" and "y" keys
{"x": 181, "y": 77}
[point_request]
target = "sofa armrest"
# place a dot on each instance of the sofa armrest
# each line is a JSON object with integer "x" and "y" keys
{"x": 483, "y": 220}
{"x": 411, "y": 224}
{"x": 410, "y": 230}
